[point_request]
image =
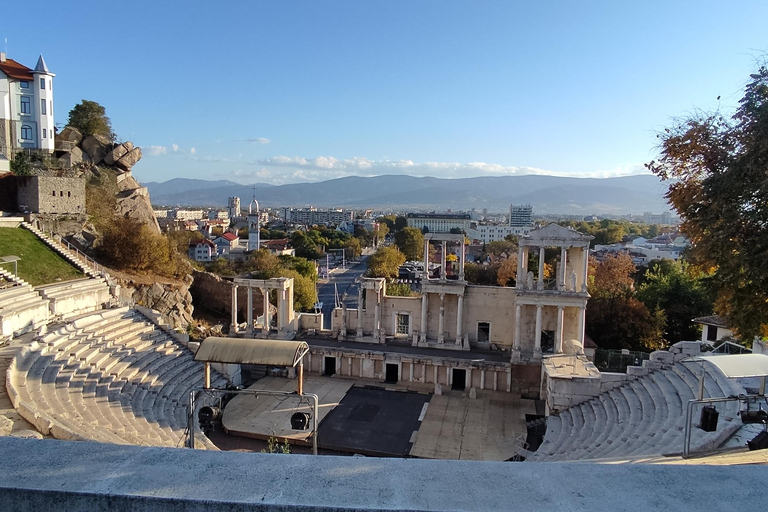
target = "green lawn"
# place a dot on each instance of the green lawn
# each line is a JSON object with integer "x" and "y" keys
{"x": 38, "y": 264}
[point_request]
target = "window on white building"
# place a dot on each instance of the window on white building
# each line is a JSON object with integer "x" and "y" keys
{"x": 44, "y": 133}
{"x": 42, "y": 83}
{"x": 42, "y": 107}
{"x": 26, "y": 105}
{"x": 24, "y": 85}
{"x": 26, "y": 132}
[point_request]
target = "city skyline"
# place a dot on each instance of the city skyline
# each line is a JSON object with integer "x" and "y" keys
{"x": 279, "y": 93}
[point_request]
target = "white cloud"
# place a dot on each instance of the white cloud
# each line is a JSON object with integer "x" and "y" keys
{"x": 175, "y": 147}
{"x": 156, "y": 150}
{"x": 257, "y": 140}
{"x": 193, "y": 151}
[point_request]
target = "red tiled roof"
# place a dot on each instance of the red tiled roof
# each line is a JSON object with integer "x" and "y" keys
{"x": 229, "y": 236}
{"x": 15, "y": 70}
{"x": 204, "y": 241}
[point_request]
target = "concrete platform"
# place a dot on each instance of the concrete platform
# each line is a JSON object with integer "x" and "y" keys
{"x": 269, "y": 416}
{"x": 485, "y": 428}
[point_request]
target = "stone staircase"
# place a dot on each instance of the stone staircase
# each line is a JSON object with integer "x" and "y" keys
{"x": 78, "y": 260}
{"x": 109, "y": 376}
{"x": 643, "y": 418}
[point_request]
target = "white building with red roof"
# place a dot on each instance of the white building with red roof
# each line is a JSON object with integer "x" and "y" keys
{"x": 26, "y": 106}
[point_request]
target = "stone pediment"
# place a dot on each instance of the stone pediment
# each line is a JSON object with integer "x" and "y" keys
{"x": 554, "y": 235}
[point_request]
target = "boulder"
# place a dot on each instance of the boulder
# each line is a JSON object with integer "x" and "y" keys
{"x": 134, "y": 203}
{"x": 96, "y": 147}
{"x": 118, "y": 152}
{"x": 71, "y": 158}
{"x": 128, "y": 160}
{"x": 68, "y": 138}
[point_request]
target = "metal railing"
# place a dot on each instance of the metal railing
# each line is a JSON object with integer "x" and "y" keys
{"x": 616, "y": 361}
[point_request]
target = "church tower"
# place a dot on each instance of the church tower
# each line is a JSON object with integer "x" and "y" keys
{"x": 253, "y": 226}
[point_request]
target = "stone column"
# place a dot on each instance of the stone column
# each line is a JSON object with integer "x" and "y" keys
{"x": 563, "y": 265}
{"x": 377, "y": 317}
{"x": 441, "y": 320}
{"x": 249, "y": 329}
{"x": 586, "y": 268}
{"x": 233, "y": 325}
{"x": 424, "y": 310}
{"x": 459, "y": 320}
{"x": 265, "y": 299}
{"x": 520, "y": 277}
{"x": 582, "y": 325}
{"x": 559, "y": 331}
{"x": 540, "y": 282}
{"x": 426, "y": 259}
{"x": 443, "y": 261}
{"x": 360, "y": 311}
{"x": 281, "y": 310}
{"x": 462, "y": 260}
{"x": 516, "y": 345}
{"x": 537, "y": 338}
{"x": 343, "y": 329}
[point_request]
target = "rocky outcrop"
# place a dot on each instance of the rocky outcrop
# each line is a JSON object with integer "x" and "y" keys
{"x": 123, "y": 156}
{"x": 68, "y": 138}
{"x": 96, "y": 147}
{"x": 173, "y": 301}
{"x": 133, "y": 201}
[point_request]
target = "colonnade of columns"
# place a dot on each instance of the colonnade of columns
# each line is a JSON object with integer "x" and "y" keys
{"x": 444, "y": 256}
{"x": 559, "y": 329}
{"x": 284, "y": 306}
{"x": 564, "y": 281}
{"x": 424, "y": 327}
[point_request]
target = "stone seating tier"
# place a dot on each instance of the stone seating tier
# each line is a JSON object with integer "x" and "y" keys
{"x": 21, "y": 310}
{"x": 111, "y": 376}
{"x": 644, "y": 417}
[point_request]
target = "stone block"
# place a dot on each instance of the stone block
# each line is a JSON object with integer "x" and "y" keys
{"x": 117, "y": 153}
{"x": 96, "y": 147}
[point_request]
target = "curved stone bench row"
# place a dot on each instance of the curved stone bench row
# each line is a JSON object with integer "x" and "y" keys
{"x": 645, "y": 417}
{"x": 110, "y": 376}
{"x": 76, "y": 297}
{"x": 21, "y": 310}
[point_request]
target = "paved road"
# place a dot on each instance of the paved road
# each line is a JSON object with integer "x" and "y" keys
{"x": 344, "y": 281}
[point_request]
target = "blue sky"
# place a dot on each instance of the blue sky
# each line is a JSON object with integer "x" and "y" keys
{"x": 285, "y": 92}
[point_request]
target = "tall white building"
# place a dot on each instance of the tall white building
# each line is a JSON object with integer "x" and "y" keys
{"x": 233, "y": 206}
{"x": 521, "y": 216}
{"x": 26, "y": 106}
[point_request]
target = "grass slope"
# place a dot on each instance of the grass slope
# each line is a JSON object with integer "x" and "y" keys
{"x": 38, "y": 264}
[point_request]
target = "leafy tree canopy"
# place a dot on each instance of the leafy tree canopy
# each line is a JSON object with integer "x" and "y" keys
{"x": 90, "y": 118}
{"x": 385, "y": 262}
{"x": 410, "y": 241}
{"x": 717, "y": 167}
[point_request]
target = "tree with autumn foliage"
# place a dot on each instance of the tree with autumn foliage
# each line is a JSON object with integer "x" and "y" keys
{"x": 616, "y": 319}
{"x": 717, "y": 169}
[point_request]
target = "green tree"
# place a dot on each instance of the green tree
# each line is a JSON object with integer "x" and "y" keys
{"x": 615, "y": 317}
{"x": 399, "y": 290}
{"x": 716, "y": 166}
{"x": 304, "y": 291}
{"x": 21, "y": 165}
{"x": 380, "y": 232}
{"x": 400, "y": 222}
{"x": 305, "y": 245}
{"x": 385, "y": 262}
{"x": 352, "y": 248}
{"x": 681, "y": 294}
{"x": 410, "y": 241}
{"x": 90, "y": 118}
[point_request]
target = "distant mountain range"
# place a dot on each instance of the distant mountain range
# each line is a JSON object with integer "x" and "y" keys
{"x": 547, "y": 194}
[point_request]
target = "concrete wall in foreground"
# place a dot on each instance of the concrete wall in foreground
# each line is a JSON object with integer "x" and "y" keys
{"x": 47, "y": 475}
